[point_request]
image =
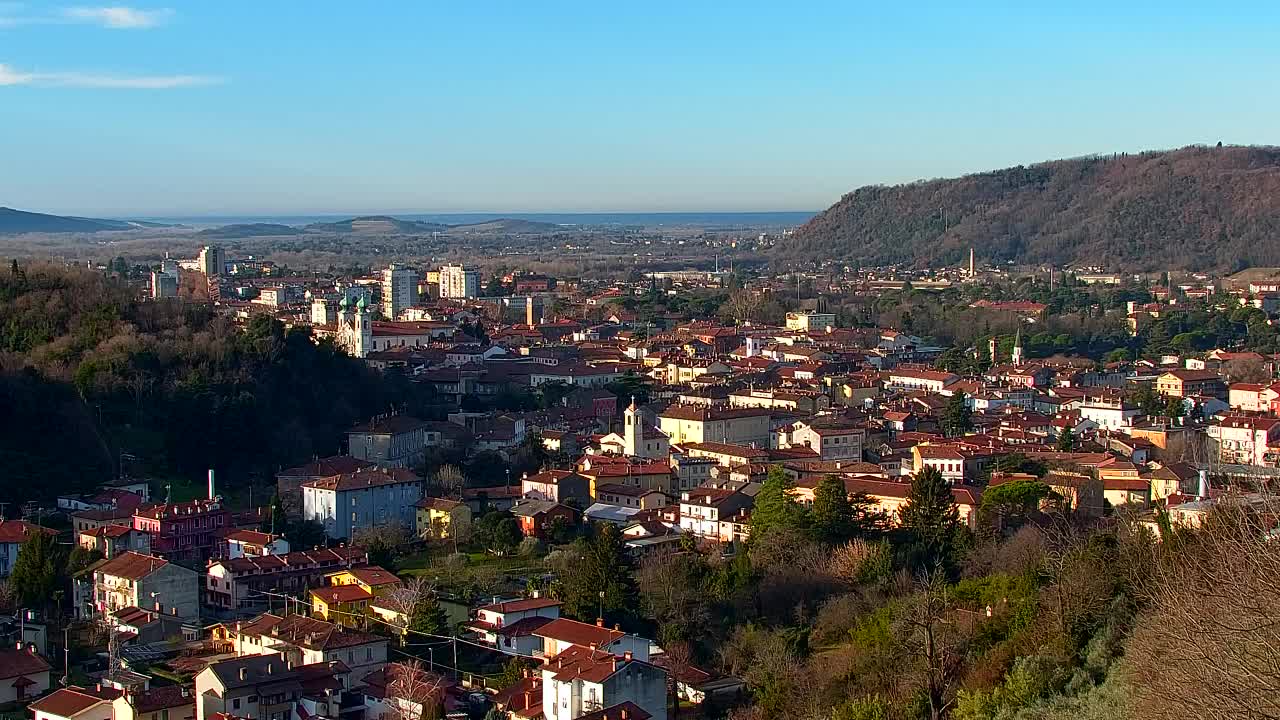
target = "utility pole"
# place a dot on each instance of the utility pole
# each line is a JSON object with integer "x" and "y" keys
{"x": 66, "y": 656}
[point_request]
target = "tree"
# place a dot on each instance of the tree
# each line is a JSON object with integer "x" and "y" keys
{"x": 957, "y": 419}
{"x": 428, "y": 615}
{"x": 1009, "y": 504}
{"x": 774, "y": 506}
{"x": 40, "y": 570}
{"x": 277, "y": 521}
{"x": 1066, "y": 440}
{"x": 413, "y": 693}
{"x": 831, "y": 518}
{"x": 449, "y": 481}
{"x": 931, "y": 520}
{"x": 81, "y": 558}
{"x": 382, "y": 542}
{"x": 306, "y": 534}
{"x": 498, "y": 532}
{"x": 932, "y": 643}
{"x": 602, "y": 580}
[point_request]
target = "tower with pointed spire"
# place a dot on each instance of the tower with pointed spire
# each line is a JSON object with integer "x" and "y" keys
{"x": 1017, "y": 348}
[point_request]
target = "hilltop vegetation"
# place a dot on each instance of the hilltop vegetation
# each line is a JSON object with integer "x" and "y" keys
{"x": 1194, "y": 208}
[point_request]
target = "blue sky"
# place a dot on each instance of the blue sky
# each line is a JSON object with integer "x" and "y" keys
{"x": 248, "y": 107}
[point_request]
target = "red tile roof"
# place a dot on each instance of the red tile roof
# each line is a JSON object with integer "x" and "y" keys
{"x": 16, "y": 531}
{"x": 364, "y": 479}
{"x": 578, "y": 633}
{"x": 132, "y": 565}
{"x": 65, "y": 702}
{"x": 16, "y": 663}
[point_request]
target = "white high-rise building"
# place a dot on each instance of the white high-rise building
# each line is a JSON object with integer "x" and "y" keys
{"x": 457, "y": 281}
{"x": 213, "y": 261}
{"x": 399, "y": 290}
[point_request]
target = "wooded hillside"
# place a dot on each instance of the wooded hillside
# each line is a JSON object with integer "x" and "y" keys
{"x": 1193, "y": 208}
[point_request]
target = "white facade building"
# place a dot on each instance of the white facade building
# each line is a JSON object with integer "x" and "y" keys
{"x": 399, "y": 290}
{"x": 456, "y": 281}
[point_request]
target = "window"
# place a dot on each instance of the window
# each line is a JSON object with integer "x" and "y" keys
{"x": 253, "y": 698}
{"x": 235, "y": 704}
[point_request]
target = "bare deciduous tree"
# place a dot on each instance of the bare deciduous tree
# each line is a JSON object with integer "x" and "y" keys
{"x": 413, "y": 693}
{"x": 1210, "y": 646}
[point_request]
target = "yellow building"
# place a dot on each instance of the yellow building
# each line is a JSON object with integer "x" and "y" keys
{"x": 346, "y": 599}
{"x": 438, "y": 518}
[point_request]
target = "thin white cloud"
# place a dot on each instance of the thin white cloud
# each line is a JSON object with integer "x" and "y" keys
{"x": 12, "y": 76}
{"x": 118, "y": 17}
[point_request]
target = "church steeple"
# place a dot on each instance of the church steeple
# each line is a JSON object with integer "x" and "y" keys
{"x": 1017, "y": 348}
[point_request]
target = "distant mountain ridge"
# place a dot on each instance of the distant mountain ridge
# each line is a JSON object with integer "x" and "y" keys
{"x": 377, "y": 224}
{"x": 15, "y": 222}
{"x": 245, "y": 230}
{"x": 1192, "y": 208}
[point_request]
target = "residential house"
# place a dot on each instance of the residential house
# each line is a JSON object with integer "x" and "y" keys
{"x": 562, "y": 633}
{"x": 135, "y": 580}
{"x": 832, "y": 440}
{"x": 508, "y": 626}
{"x": 1246, "y": 439}
{"x": 1185, "y": 383}
{"x": 347, "y": 504}
{"x": 929, "y": 380}
{"x": 185, "y": 532}
{"x": 442, "y": 518}
{"x": 23, "y": 674}
{"x": 251, "y": 543}
{"x": 263, "y": 687}
{"x": 289, "y": 482}
{"x": 537, "y": 516}
{"x": 585, "y": 682}
{"x": 240, "y": 584}
{"x": 73, "y": 703}
{"x": 167, "y": 702}
{"x": 703, "y": 509}
{"x": 350, "y": 593}
{"x": 305, "y": 640}
{"x": 393, "y": 441}
{"x": 12, "y": 534}
{"x": 629, "y": 496}
{"x": 115, "y": 540}
{"x": 557, "y": 486}
{"x": 684, "y": 423}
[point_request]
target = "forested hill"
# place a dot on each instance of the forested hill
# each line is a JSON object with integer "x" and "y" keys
{"x": 89, "y": 372}
{"x": 1193, "y": 208}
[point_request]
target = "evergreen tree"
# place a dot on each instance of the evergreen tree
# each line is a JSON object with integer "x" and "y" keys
{"x": 957, "y": 418}
{"x": 428, "y": 615}
{"x": 774, "y": 506}
{"x": 606, "y": 568}
{"x": 276, "y": 522}
{"x": 40, "y": 570}
{"x": 1066, "y": 440}
{"x": 931, "y": 520}
{"x": 831, "y": 518}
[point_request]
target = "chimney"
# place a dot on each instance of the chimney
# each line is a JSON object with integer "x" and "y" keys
{"x": 627, "y": 656}
{"x": 599, "y": 622}
{"x": 212, "y": 494}
{"x": 270, "y": 667}
{"x": 244, "y": 673}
